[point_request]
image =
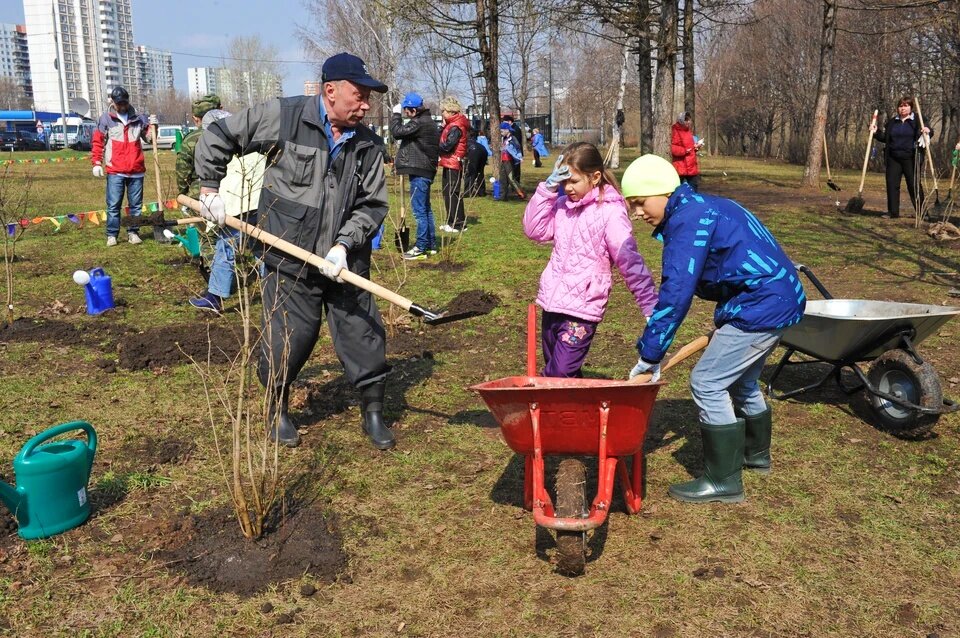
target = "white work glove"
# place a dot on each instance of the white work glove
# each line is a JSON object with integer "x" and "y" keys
{"x": 397, "y": 108}
{"x": 98, "y": 171}
{"x": 337, "y": 261}
{"x": 642, "y": 366}
{"x": 212, "y": 208}
{"x": 560, "y": 173}
{"x": 153, "y": 120}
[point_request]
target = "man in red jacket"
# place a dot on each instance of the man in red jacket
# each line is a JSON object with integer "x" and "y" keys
{"x": 117, "y": 151}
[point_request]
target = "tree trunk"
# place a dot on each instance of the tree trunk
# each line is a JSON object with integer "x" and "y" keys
{"x": 828, "y": 36}
{"x": 645, "y": 78}
{"x": 617, "y": 132}
{"x": 666, "y": 77}
{"x": 689, "y": 85}
{"x": 488, "y": 38}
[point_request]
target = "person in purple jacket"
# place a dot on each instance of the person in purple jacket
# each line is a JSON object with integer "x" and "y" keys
{"x": 588, "y": 225}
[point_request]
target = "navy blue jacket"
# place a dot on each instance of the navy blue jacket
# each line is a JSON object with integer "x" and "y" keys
{"x": 716, "y": 249}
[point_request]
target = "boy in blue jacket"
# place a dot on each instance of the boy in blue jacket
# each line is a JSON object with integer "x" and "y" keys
{"x": 715, "y": 249}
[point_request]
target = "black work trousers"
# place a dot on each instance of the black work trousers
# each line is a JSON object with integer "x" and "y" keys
{"x": 292, "y": 311}
{"x": 907, "y": 168}
{"x": 452, "y": 185}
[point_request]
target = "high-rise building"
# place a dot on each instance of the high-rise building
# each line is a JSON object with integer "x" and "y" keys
{"x": 14, "y": 61}
{"x": 236, "y": 88}
{"x": 154, "y": 71}
{"x": 311, "y": 88}
{"x": 203, "y": 80}
{"x": 94, "y": 42}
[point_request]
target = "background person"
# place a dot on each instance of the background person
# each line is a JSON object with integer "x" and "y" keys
{"x": 417, "y": 158}
{"x": 477, "y": 154}
{"x": 539, "y": 147}
{"x": 511, "y": 155}
{"x": 324, "y": 190}
{"x": 683, "y": 147}
{"x": 453, "y": 151}
{"x": 116, "y": 150}
{"x": 903, "y": 154}
{"x": 713, "y": 248}
{"x": 590, "y": 230}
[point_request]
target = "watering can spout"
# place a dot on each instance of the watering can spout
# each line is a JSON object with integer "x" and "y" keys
{"x": 11, "y": 498}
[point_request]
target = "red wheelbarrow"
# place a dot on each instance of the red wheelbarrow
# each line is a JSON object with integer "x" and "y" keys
{"x": 541, "y": 416}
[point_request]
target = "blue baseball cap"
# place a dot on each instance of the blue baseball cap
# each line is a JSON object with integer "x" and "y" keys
{"x": 412, "y": 101}
{"x": 344, "y": 66}
{"x": 505, "y": 126}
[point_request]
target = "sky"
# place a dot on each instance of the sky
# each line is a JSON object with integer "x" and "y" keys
{"x": 193, "y": 28}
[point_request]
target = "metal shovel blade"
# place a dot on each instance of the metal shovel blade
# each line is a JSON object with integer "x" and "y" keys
{"x": 436, "y": 318}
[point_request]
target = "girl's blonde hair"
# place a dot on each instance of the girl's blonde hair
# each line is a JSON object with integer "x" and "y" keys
{"x": 586, "y": 158}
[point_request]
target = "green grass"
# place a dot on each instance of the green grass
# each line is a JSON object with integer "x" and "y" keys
{"x": 852, "y": 525}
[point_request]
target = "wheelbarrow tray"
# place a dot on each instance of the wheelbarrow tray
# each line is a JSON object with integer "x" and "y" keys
{"x": 569, "y": 412}
{"x": 860, "y": 329}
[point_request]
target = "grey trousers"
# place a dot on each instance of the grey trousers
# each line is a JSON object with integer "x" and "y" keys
{"x": 292, "y": 311}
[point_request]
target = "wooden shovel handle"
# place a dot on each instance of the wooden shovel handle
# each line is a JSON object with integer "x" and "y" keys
{"x": 826, "y": 157}
{"x": 403, "y": 204}
{"x": 691, "y": 348}
{"x": 304, "y": 255}
{"x": 926, "y": 143}
{"x": 866, "y": 156}
{"x": 156, "y": 164}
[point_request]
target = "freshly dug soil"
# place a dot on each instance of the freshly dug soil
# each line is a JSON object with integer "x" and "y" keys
{"x": 151, "y": 452}
{"x": 215, "y": 554}
{"x": 101, "y": 335}
{"x": 159, "y": 347}
{"x": 474, "y": 302}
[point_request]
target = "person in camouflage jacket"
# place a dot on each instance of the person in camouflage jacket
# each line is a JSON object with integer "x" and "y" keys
{"x": 188, "y": 182}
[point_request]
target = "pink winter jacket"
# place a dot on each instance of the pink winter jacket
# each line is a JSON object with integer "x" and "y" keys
{"x": 587, "y": 237}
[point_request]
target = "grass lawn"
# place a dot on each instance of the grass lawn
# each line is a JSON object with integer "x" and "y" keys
{"x": 853, "y": 534}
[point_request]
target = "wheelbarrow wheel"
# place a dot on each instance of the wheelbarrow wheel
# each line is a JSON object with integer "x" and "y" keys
{"x": 571, "y": 503}
{"x": 896, "y": 372}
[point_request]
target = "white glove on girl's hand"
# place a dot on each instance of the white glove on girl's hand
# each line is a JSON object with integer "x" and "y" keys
{"x": 560, "y": 173}
{"x": 337, "y": 261}
{"x": 642, "y": 366}
{"x": 98, "y": 171}
{"x": 212, "y": 208}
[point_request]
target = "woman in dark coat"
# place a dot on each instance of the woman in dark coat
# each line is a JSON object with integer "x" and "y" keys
{"x": 903, "y": 154}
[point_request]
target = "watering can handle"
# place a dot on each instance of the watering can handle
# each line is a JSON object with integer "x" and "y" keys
{"x": 63, "y": 428}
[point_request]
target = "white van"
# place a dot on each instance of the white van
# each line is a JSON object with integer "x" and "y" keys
{"x": 167, "y": 135}
{"x": 78, "y": 131}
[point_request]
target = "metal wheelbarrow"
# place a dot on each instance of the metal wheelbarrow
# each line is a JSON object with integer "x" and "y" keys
{"x": 541, "y": 416}
{"x": 902, "y": 389}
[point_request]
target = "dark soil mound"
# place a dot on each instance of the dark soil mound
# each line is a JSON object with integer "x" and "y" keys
{"x": 215, "y": 554}
{"x": 474, "y": 302}
{"x": 91, "y": 333}
{"x": 160, "y": 347}
{"x": 153, "y": 452}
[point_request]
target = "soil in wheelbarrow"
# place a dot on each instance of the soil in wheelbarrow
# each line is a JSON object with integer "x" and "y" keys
{"x": 209, "y": 550}
{"x": 161, "y": 347}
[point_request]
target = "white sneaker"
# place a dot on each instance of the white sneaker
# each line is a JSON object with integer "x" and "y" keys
{"x": 133, "y": 238}
{"x": 111, "y": 241}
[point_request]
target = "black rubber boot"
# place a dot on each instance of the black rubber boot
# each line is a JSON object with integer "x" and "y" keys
{"x": 158, "y": 235}
{"x": 756, "y": 448}
{"x": 282, "y": 430}
{"x": 371, "y": 413}
{"x": 723, "y": 462}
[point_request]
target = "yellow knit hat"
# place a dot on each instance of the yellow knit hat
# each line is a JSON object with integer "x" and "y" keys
{"x": 649, "y": 175}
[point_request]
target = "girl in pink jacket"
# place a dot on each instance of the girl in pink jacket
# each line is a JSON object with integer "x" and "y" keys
{"x": 590, "y": 230}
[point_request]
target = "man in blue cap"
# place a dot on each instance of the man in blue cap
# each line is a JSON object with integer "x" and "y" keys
{"x": 417, "y": 157}
{"x": 324, "y": 190}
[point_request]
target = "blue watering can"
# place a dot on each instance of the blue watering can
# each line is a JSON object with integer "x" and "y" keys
{"x": 99, "y": 292}
{"x": 51, "y": 492}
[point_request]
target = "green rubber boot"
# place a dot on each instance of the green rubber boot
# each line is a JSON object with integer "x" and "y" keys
{"x": 756, "y": 448}
{"x": 723, "y": 463}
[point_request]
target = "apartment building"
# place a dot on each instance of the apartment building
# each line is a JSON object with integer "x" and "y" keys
{"x": 14, "y": 59}
{"x": 154, "y": 71}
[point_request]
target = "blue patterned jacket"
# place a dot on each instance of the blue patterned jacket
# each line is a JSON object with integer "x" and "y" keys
{"x": 716, "y": 249}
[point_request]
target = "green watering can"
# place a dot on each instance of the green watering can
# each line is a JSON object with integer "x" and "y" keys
{"x": 51, "y": 492}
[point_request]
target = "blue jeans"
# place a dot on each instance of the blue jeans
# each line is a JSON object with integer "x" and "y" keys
{"x": 224, "y": 261}
{"x": 115, "y": 187}
{"x": 422, "y": 212}
{"x": 728, "y": 372}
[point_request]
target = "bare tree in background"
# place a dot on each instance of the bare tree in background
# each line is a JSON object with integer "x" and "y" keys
{"x": 252, "y": 72}
{"x": 170, "y": 106}
{"x": 12, "y": 95}
{"x": 665, "y": 84}
{"x": 526, "y": 33}
{"x": 828, "y": 37}
{"x": 438, "y": 63}
{"x": 15, "y": 195}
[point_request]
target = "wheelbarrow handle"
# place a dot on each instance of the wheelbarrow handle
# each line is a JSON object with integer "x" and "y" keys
{"x": 686, "y": 351}
{"x": 312, "y": 259}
